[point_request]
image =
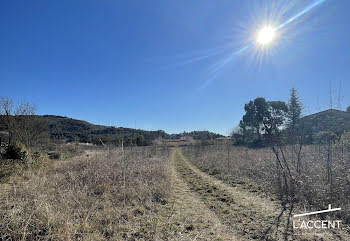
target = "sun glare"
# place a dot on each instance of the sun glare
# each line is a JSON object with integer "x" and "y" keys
{"x": 266, "y": 35}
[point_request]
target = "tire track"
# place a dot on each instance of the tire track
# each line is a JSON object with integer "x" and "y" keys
{"x": 187, "y": 217}
{"x": 250, "y": 216}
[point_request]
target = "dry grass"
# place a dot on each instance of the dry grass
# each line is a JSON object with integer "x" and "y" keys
{"x": 140, "y": 195}
{"x": 247, "y": 216}
{"x": 254, "y": 170}
{"x": 105, "y": 195}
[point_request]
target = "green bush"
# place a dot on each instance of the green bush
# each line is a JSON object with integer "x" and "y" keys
{"x": 16, "y": 151}
{"x": 325, "y": 137}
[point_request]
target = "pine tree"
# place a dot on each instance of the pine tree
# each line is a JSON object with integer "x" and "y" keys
{"x": 294, "y": 110}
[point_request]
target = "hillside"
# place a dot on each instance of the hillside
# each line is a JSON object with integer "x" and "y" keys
{"x": 68, "y": 129}
{"x": 336, "y": 121}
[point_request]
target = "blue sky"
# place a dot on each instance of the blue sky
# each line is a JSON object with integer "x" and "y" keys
{"x": 145, "y": 64}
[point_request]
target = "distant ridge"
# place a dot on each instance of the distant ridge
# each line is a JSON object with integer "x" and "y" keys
{"x": 332, "y": 120}
{"x": 69, "y": 130}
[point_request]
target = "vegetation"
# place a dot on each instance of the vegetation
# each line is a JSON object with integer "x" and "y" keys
{"x": 197, "y": 135}
{"x": 334, "y": 121}
{"x": 294, "y": 111}
{"x": 233, "y": 205}
{"x": 21, "y": 124}
{"x": 281, "y": 129}
{"x": 255, "y": 171}
{"x": 71, "y": 130}
{"x": 59, "y": 189}
{"x": 262, "y": 119}
{"x": 16, "y": 151}
{"x": 290, "y": 125}
{"x": 105, "y": 195}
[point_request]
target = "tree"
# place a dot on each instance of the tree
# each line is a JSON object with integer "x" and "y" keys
{"x": 268, "y": 119}
{"x": 29, "y": 129}
{"x": 140, "y": 140}
{"x": 348, "y": 109}
{"x": 294, "y": 110}
{"x": 255, "y": 110}
{"x": 22, "y": 124}
{"x": 273, "y": 124}
{"x": 274, "y": 119}
{"x": 6, "y": 107}
{"x": 295, "y": 130}
{"x": 245, "y": 133}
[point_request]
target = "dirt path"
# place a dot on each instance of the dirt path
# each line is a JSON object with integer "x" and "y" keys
{"x": 236, "y": 212}
{"x": 187, "y": 217}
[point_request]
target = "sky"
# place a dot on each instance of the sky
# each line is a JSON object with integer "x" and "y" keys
{"x": 174, "y": 65}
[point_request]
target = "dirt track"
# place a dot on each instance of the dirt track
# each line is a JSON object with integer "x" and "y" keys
{"x": 234, "y": 214}
{"x": 210, "y": 209}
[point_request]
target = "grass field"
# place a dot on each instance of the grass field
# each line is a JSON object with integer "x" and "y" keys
{"x": 152, "y": 194}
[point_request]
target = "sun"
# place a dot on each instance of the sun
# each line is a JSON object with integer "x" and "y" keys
{"x": 266, "y": 35}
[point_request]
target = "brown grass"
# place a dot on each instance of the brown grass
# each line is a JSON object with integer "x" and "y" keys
{"x": 254, "y": 170}
{"x": 86, "y": 198}
{"x": 140, "y": 195}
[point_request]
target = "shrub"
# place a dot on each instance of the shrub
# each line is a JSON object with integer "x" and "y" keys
{"x": 16, "y": 151}
{"x": 345, "y": 139}
{"x": 325, "y": 137}
{"x": 38, "y": 158}
{"x": 54, "y": 155}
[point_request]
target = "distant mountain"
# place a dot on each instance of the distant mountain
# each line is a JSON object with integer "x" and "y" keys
{"x": 64, "y": 128}
{"x": 68, "y": 129}
{"x": 335, "y": 121}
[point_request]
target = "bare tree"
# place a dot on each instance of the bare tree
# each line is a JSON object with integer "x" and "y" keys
{"x": 29, "y": 129}
{"x": 6, "y": 107}
{"x": 25, "y": 108}
{"x": 22, "y": 124}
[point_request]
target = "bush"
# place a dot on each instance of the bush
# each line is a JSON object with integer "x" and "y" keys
{"x": 16, "y": 151}
{"x": 325, "y": 137}
{"x": 345, "y": 139}
{"x": 54, "y": 155}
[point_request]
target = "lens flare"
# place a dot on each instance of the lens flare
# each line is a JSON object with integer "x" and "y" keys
{"x": 266, "y": 35}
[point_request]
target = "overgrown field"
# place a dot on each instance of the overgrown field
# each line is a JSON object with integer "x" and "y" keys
{"x": 96, "y": 196}
{"x": 212, "y": 192}
{"x": 255, "y": 170}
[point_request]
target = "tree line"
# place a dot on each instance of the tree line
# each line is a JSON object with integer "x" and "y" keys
{"x": 281, "y": 127}
{"x": 265, "y": 120}
{"x": 19, "y": 124}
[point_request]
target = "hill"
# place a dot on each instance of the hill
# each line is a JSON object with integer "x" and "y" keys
{"x": 335, "y": 121}
{"x": 68, "y": 129}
